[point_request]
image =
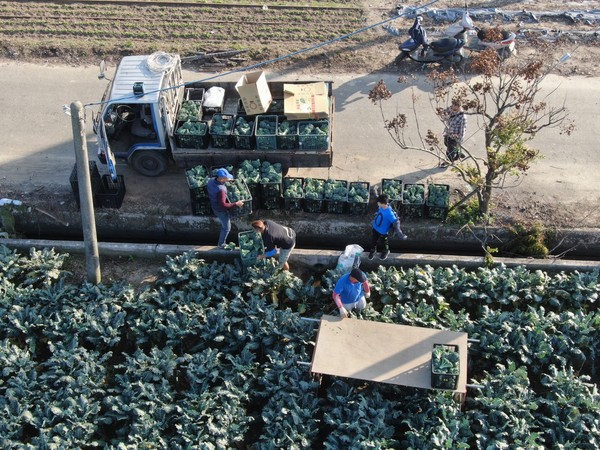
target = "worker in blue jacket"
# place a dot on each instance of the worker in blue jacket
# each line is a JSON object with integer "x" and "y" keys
{"x": 351, "y": 291}
{"x": 385, "y": 220}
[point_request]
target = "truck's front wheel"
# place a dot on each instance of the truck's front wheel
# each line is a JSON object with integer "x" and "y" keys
{"x": 149, "y": 163}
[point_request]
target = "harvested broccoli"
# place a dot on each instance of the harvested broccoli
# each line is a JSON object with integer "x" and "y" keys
{"x": 190, "y": 110}
{"x": 192, "y": 128}
{"x": 292, "y": 188}
{"x": 392, "y": 188}
{"x": 314, "y": 188}
{"x": 358, "y": 193}
{"x": 414, "y": 194}
{"x": 221, "y": 124}
{"x": 243, "y": 127}
{"x": 197, "y": 176}
{"x": 439, "y": 195}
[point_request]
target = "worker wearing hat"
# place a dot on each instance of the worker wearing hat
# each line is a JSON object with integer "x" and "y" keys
{"x": 351, "y": 291}
{"x": 217, "y": 194}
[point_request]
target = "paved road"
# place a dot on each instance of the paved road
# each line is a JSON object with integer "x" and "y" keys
{"x": 37, "y": 149}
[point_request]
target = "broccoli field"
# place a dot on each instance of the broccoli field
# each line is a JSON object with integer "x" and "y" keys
{"x": 207, "y": 358}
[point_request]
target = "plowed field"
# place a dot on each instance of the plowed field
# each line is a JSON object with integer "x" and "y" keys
{"x": 86, "y": 31}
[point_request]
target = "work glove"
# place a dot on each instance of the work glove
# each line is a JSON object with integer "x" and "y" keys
{"x": 367, "y": 294}
{"x": 343, "y": 313}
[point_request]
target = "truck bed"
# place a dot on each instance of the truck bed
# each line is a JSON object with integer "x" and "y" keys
{"x": 189, "y": 157}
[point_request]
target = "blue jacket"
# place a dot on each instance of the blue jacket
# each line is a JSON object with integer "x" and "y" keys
{"x": 348, "y": 292}
{"x": 385, "y": 219}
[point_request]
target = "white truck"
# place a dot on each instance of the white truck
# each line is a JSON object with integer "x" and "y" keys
{"x": 138, "y": 121}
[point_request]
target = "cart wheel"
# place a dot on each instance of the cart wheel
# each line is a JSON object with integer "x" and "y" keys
{"x": 149, "y": 163}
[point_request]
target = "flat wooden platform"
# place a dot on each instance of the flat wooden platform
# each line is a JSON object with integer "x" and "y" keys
{"x": 384, "y": 352}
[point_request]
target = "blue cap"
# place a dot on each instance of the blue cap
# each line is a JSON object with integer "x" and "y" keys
{"x": 224, "y": 173}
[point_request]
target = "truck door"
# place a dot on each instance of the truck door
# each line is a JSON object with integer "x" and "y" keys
{"x": 105, "y": 154}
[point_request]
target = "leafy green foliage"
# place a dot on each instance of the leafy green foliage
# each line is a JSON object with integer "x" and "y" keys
{"x": 208, "y": 358}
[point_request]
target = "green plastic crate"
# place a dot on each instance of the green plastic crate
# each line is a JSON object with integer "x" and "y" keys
{"x": 287, "y": 141}
{"x": 266, "y": 141}
{"x": 196, "y": 141}
{"x": 251, "y": 247}
{"x": 410, "y": 208}
{"x": 244, "y": 141}
{"x": 222, "y": 139}
{"x": 435, "y": 208}
{"x": 313, "y": 141}
{"x": 444, "y": 380}
{"x": 293, "y": 204}
{"x": 314, "y": 205}
{"x": 393, "y": 189}
{"x": 354, "y": 207}
{"x": 246, "y": 209}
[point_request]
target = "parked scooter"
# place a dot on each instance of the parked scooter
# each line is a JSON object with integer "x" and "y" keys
{"x": 477, "y": 39}
{"x": 419, "y": 49}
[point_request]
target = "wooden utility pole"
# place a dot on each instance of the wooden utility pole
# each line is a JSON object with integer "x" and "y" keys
{"x": 86, "y": 201}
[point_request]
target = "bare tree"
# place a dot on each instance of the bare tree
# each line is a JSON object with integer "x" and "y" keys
{"x": 510, "y": 108}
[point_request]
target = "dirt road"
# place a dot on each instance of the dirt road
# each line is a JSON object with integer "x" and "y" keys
{"x": 37, "y": 155}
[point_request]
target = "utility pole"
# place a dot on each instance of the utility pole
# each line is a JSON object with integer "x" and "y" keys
{"x": 86, "y": 202}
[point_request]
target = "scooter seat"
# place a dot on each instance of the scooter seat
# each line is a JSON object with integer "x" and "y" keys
{"x": 446, "y": 45}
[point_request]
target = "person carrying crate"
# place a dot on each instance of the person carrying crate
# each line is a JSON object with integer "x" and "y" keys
{"x": 217, "y": 194}
{"x": 276, "y": 238}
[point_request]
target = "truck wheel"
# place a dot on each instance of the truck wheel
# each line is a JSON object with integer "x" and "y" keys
{"x": 149, "y": 163}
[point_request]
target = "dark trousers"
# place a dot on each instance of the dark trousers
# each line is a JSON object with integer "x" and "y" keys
{"x": 452, "y": 148}
{"x": 376, "y": 238}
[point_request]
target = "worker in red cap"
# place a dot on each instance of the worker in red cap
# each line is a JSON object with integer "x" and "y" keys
{"x": 351, "y": 291}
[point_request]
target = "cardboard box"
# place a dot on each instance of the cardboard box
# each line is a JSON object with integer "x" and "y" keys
{"x": 305, "y": 101}
{"x": 254, "y": 92}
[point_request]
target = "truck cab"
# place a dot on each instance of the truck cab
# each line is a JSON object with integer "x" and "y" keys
{"x": 138, "y": 121}
{"x": 138, "y": 111}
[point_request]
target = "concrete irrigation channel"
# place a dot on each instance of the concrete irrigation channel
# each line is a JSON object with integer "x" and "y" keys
{"x": 321, "y": 239}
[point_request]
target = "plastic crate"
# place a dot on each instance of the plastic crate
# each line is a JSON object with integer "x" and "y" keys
{"x": 222, "y": 140}
{"x": 266, "y": 141}
{"x": 201, "y": 207}
{"x": 246, "y": 209}
{"x": 313, "y": 141}
{"x": 95, "y": 179}
{"x": 293, "y": 204}
{"x": 246, "y": 239}
{"x": 254, "y": 189}
{"x": 244, "y": 141}
{"x": 194, "y": 94}
{"x": 358, "y": 208}
{"x": 112, "y": 193}
{"x": 396, "y": 199}
{"x": 216, "y": 109}
{"x": 197, "y": 192}
{"x": 185, "y": 106}
{"x": 270, "y": 195}
{"x": 441, "y": 380}
{"x": 436, "y": 211}
{"x": 314, "y": 205}
{"x": 287, "y": 141}
{"x": 191, "y": 140}
{"x": 336, "y": 206}
{"x": 413, "y": 210}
